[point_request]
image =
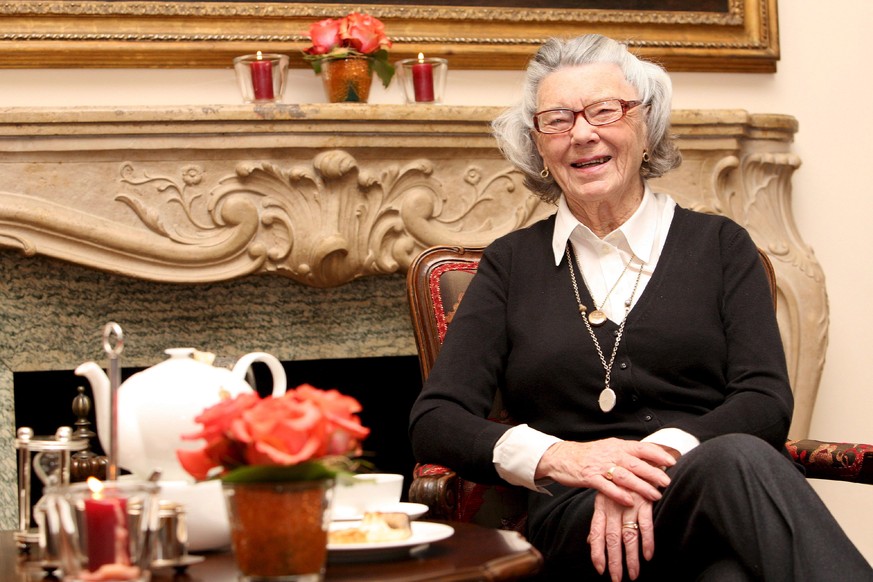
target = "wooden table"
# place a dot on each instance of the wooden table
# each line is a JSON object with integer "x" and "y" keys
{"x": 472, "y": 553}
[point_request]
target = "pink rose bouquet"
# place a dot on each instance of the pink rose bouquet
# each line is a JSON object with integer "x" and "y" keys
{"x": 355, "y": 35}
{"x": 306, "y": 434}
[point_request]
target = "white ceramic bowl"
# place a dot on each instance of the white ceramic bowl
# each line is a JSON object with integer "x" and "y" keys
{"x": 366, "y": 492}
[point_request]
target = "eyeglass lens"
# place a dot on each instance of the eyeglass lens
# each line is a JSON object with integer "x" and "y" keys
{"x": 601, "y": 113}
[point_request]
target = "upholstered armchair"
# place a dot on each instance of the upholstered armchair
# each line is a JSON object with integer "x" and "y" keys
{"x": 435, "y": 286}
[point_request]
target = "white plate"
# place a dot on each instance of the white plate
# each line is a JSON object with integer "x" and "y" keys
{"x": 424, "y": 533}
{"x": 413, "y": 510}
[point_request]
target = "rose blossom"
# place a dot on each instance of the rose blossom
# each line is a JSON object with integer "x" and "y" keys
{"x": 280, "y": 431}
{"x": 354, "y": 35}
{"x": 344, "y": 428}
{"x": 216, "y": 419}
{"x": 325, "y": 35}
{"x": 365, "y": 33}
{"x": 302, "y": 425}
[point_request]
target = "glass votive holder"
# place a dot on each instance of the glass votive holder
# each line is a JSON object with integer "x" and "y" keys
{"x": 261, "y": 76}
{"x": 102, "y": 530}
{"x": 423, "y": 79}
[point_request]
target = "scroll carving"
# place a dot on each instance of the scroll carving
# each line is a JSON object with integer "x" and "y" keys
{"x": 803, "y": 303}
{"x": 322, "y": 223}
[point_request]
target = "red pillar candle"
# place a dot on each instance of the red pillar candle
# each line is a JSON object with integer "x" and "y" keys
{"x": 262, "y": 78}
{"x": 106, "y": 532}
{"x": 422, "y": 80}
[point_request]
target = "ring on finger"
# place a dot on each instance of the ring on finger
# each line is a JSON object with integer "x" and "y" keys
{"x": 630, "y": 525}
{"x": 609, "y": 475}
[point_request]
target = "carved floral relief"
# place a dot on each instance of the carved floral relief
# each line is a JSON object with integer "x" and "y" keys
{"x": 326, "y": 222}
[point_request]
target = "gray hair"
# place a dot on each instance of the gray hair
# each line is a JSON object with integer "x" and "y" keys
{"x": 514, "y": 128}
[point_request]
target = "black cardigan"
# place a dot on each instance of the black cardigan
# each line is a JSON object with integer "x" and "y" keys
{"x": 701, "y": 350}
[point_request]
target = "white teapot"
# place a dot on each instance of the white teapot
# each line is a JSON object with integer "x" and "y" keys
{"x": 158, "y": 405}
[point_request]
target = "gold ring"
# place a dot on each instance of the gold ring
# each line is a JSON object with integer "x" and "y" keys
{"x": 609, "y": 473}
{"x": 630, "y": 525}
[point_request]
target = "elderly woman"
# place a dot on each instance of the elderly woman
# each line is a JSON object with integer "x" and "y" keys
{"x": 635, "y": 345}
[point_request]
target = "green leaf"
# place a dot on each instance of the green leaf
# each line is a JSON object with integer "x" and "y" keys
{"x": 380, "y": 65}
{"x": 310, "y": 471}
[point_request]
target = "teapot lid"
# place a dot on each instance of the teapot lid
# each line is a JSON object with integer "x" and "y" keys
{"x": 193, "y": 353}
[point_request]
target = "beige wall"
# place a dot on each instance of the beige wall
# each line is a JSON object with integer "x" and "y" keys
{"x": 823, "y": 80}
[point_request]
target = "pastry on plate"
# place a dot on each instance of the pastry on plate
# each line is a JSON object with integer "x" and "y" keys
{"x": 376, "y": 526}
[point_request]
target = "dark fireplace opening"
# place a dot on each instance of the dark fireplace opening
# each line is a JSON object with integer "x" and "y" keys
{"x": 386, "y": 387}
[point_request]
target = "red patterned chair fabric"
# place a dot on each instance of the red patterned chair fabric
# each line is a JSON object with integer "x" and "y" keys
{"x": 435, "y": 286}
{"x": 836, "y": 461}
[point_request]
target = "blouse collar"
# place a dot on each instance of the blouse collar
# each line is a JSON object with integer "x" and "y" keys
{"x": 638, "y": 231}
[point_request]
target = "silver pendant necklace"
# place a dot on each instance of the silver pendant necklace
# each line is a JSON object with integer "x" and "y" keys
{"x": 607, "y": 398}
{"x": 598, "y": 317}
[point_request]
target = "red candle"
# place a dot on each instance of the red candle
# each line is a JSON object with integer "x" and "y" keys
{"x": 262, "y": 78}
{"x": 422, "y": 80}
{"x": 106, "y": 532}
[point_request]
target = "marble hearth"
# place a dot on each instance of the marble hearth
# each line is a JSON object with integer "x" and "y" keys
{"x": 289, "y": 228}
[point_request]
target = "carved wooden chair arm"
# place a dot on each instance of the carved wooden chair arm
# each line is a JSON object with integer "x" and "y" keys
{"x": 836, "y": 461}
{"x": 435, "y": 486}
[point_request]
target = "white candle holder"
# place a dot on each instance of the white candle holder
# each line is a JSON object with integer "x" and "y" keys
{"x": 261, "y": 76}
{"x": 423, "y": 79}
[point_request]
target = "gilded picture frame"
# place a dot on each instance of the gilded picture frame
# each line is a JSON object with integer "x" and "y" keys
{"x": 731, "y": 35}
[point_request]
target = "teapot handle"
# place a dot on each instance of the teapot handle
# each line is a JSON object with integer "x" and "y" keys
{"x": 280, "y": 380}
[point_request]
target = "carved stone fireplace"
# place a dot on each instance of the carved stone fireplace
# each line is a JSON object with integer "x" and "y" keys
{"x": 289, "y": 228}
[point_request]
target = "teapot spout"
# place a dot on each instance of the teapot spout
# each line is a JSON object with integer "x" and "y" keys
{"x": 100, "y": 389}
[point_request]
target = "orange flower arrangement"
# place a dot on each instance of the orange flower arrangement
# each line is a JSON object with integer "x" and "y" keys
{"x": 355, "y": 35}
{"x": 306, "y": 434}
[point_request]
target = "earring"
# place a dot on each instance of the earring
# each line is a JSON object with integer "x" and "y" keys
{"x": 544, "y": 174}
{"x": 646, "y": 157}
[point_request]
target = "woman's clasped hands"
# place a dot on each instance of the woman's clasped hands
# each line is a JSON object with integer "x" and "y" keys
{"x": 628, "y": 476}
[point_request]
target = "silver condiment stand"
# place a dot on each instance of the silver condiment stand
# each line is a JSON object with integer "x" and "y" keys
{"x": 49, "y": 458}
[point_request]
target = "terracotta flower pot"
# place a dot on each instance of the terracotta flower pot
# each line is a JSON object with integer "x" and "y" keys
{"x": 279, "y": 530}
{"x": 347, "y": 80}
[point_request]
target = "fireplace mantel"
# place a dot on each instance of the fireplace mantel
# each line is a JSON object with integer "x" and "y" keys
{"x": 320, "y": 194}
{"x": 189, "y": 208}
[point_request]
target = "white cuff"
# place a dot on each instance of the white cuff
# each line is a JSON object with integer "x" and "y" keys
{"x": 518, "y": 452}
{"x": 674, "y": 438}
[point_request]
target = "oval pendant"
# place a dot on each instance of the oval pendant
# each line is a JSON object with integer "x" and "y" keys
{"x": 596, "y": 318}
{"x": 607, "y": 399}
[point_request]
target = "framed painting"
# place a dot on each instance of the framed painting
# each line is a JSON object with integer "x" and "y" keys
{"x": 684, "y": 35}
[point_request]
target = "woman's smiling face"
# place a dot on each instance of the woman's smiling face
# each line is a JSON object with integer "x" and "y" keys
{"x": 593, "y": 164}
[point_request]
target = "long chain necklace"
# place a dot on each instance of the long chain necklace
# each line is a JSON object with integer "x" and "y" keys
{"x": 598, "y": 317}
{"x": 607, "y": 398}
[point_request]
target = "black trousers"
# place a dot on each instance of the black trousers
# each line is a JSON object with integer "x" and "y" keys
{"x": 736, "y": 509}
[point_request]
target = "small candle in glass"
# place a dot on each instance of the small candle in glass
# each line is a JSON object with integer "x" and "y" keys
{"x": 104, "y": 530}
{"x": 423, "y": 79}
{"x": 262, "y": 76}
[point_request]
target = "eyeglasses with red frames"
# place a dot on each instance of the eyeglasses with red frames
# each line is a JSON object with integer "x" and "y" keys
{"x": 601, "y": 113}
